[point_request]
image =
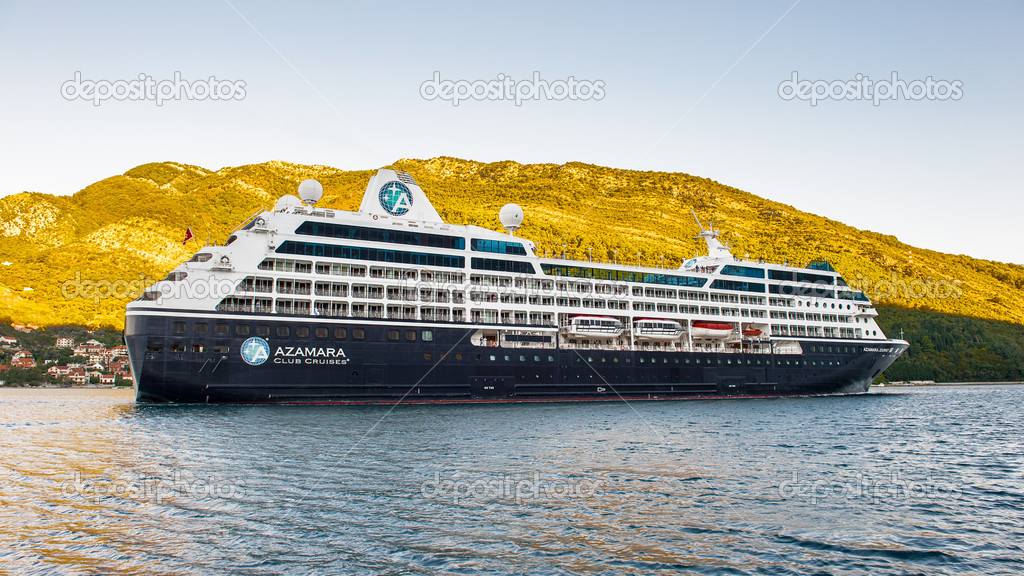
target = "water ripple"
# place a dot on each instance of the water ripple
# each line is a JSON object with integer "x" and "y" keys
{"x": 921, "y": 481}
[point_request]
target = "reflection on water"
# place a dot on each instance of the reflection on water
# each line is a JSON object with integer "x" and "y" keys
{"x": 917, "y": 481}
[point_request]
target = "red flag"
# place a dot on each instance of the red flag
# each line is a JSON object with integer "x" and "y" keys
{"x": 188, "y": 236}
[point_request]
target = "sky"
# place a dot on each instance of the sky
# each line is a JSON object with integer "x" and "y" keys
{"x": 722, "y": 90}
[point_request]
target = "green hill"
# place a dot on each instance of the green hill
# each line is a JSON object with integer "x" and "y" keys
{"x": 126, "y": 231}
{"x": 951, "y": 348}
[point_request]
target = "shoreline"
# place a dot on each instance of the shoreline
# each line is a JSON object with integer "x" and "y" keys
{"x": 76, "y": 387}
{"x": 880, "y": 385}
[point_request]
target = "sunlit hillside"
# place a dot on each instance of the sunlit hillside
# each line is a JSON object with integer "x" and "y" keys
{"x": 126, "y": 231}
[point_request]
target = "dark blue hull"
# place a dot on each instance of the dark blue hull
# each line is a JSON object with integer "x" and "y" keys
{"x": 192, "y": 366}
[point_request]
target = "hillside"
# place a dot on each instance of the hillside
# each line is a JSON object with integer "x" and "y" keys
{"x": 950, "y": 348}
{"x": 125, "y": 231}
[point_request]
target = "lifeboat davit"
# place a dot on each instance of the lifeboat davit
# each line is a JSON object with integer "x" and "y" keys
{"x": 711, "y": 330}
{"x": 654, "y": 329}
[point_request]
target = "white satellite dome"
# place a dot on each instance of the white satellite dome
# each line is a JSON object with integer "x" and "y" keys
{"x": 310, "y": 191}
{"x": 511, "y": 217}
{"x": 287, "y": 201}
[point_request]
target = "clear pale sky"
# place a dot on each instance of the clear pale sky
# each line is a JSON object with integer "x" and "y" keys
{"x": 688, "y": 87}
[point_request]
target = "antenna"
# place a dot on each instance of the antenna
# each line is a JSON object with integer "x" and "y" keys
{"x": 701, "y": 226}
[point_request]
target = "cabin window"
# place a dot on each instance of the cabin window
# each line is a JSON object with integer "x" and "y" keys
{"x": 427, "y": 335}
{"x": 242, "y": 330}
{"x": 221, "y": 349}
{"x": 221, "y": 329}
{"x": 200, "y": 328}
{"x": 393, "y": 334}
{"x": 358, "y": 333}
{"x": 340, "y": 333}
{"x": 410, "y": 335}
{"x": 263, "y": 330}
{"x": 302, "y": 331}
{"x": 321, "y": 332}
{"x": 284, "y": 331}
{"x": 178, "y": 327}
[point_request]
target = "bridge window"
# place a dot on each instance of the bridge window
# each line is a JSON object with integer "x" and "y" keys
{"x": 733, "y": 270}
{"x": 371, "y": 254}
{"x": 513, "y": 266}
{"x": 406, "y": 237}
{"x": 498, "y": 247}
{"x": 738, "y": 285}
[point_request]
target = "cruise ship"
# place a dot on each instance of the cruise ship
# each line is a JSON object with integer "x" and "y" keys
{"x": 390, "y": 304}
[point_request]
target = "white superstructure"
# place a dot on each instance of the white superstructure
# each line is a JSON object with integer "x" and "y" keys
{"x": 396, "y": 259}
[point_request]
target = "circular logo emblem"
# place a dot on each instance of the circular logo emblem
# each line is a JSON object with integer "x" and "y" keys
{"x": 395, "y": 198}
{"x": 255, "y": 351}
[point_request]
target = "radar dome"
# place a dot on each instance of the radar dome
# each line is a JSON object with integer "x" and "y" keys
{"x": 511, "y": 217}
{"x": 286, "y": 202}
{"x": 310, "y": 191}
